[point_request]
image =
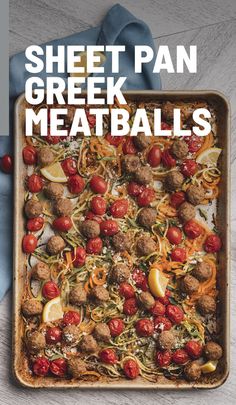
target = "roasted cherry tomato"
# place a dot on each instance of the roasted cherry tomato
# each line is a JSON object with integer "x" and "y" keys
{"x": 146, "y": 197}
{"x": 119, "y": 208}
{"x": 35, "y": 183}
{"x": 162, "y": 323}
{"x": 6, "y": 164}
{"x": 174, "y": 313}
{"x": 29, "y": 155}
{"x": 212, "y": 244}
{"x": 167, "y": 159}
{"x": 94, "y": 217}
{"x": 134, "y": 189}
{"x": 154, "y": 156}
{"x": 98, "y": 205}
{"x": 76, "y": 184}
{"x": 53, "y": 335}
{"x": 109, "y": 227}
{"x": 91, "y": 120}
{"x": 126, "y": 290}
{"x": 114, "y": 140}
{"x": 192, "y": 229}
{"x": 163, "y": 358}
{"x": 94, "y": 246}
{"x": 79, "y": 256}
{"x": 130, "y": 306}
{"x": 71, "y": 318}
{"x": 188, "y": 167}
{"x": 58, "y": 367}
{"x": 165, "y": 300}
{"x": 193, "y": 349}
{"x": 176, "y": 199}
{"x": 62, "y": 224}
{"x": 144, "y": 327}
{"x": 29, "y": 243}
{"x": 98, "y": 185}
{"x": 128, "y": 147}
{"x": 53, "y": 140}
{"x": 164, "y": 126}
{"x": 35, "y": 224}
{"x": 174, "y": 235}
{"x": 158, "y": 309}
{"x": 50, "y": 290}
{"x": 131, "y": 369}
{"x": 180, "y": 356}
{"x": 140, "y": 279}
{"x": 194, "y": 142}
{"x": 108, "y": 356}
{"x": 178, "y": 254}
{"x": 69, "y": 166}
{"x": 41, "y": 366}
{"x": 116, "y": 326}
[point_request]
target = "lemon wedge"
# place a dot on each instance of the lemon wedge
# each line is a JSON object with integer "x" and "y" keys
{"x": 209, "y": 367}
{"x": 157, "y": 282}
{"x": 54, "y": 173}
{"x": 52, "y": 310}
{"x": 209, "y": 156}
{"x": 83, "y": 63}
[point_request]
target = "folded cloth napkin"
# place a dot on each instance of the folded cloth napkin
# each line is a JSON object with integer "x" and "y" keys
{"x": 119, "y": 27}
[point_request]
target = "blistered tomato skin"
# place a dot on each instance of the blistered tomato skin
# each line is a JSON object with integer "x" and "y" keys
{"x": 134, "y": 189}
{"x": 212, "y": 244}
{"x": 91, "y": 120}
{"x": 98, "y": 205}
{"x": 165, "y": 300}
{"x": 131, "y": 369}
{"x": 146, "y": 197}
{"x": 35, "y": 224}
{"x": 69, "y": 166}
{"x": 174, "y": 235}
{"x": 6, "y": 164}
{"x": 116, "y": 326}
{"x": 119, "y": 208}
{"x": 188, "y": 167}
{"x": 62, "y": 224}
{"x": 176, "y": 199}
{"x": 29, "y": 243}
{"x": 194, "y": 143}
{"x": 98, "y": 185}
{"x": 109, "y": 227}
{"x": 79, "y": 257}
{"x": 130, "y": 306}
{"x": 29, "y": 154}
{"x": 192, "y": 229}
{"x": 108, "y": 356}
{"x": 94, "y": 217}
{"x": 163, "y": 358}
{"x": 140, "y": 279}
{"x": 50, "y": 290}
{"x": 178, "y": 254}
{"x": 128, "y": 147}
{"x": 180, "y": 356}
{"x": 71, "y": 318}
{"x": 53, "y": 140}
{"x": 58, "y": 367}
{"x": 144, "y": 327}
{"x": 114, "y": 140}
{"x": 76, "y": 184}
{"x": 158, "y": 309}
{"x": 35, "y": 183}
{"x": 193, "y": 349}
{"x": 94, "y": 246}
{"x": 162, "y": 323}
{"x": 154, "y": 156}
{"x": 167, "y": 159}
{"x": 41, "y": 366}
{"x": 53, "y": 335}
{"x": 174, "y": 313}
{"x": 126, "y": 290}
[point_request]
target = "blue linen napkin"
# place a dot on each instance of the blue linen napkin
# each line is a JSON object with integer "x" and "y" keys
{"x": 119, "y": 27}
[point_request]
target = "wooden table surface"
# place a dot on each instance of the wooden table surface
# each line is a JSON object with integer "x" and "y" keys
{"x": 209, "y": 24}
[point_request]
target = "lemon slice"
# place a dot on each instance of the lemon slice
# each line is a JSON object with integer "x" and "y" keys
{"x": 83, "y": 63}
{"x": 157, "y": 282}
{"x": 52, "y": 310}
{"x": 209, "y": 367}
{"x": 209, "y": 156}
{"x": 54, "y": 173}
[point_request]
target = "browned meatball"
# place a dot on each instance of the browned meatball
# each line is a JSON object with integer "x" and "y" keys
{"x": 179, "y": 149}
{"x": 213, "y": 351}
{"x": 141, "y": 141}
{"x": 90, "y": 229}
{"x": 192, "y": 371}
{"x": 120, "y": 273}
{"x": 166, "y": 340}
{"x": 70, "y": 114}
{"x": 167, "y": 110}
{"x": 206, "y": 305}
{"x": 35, "y": 342}
{"x": 130, "y": 164}
{"x": 45, "y": 156}
{"x": 41, "y": 271}
{"x": 78, "y": 295}
{"x": 202, "y": 271}
{"x": 102, "y": 332}
{"x": 147, "y": 217}
{"x": 63, "y": 207}
{"x": 32, "y": 307}
{"x": 88, "y": 344}
{"x": 54, "y": 190}
{"x": 143, "y": 175}
{"x": 146, "y": 299}
{"x": 55, "y": 245}
{"x": 71, "y": 334}
{"x": 174, "y": 181}
{"x": 121, "y": 242}
{"x": 76, "y": 367}
{"x": 100, "y": 294}
{"x": 186, "y": 212}
{"x": 189, "y": 284}
{"x": 33, "y": 208}
{"x": 195, "y": 194}
{"x": 145, "y": 245}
